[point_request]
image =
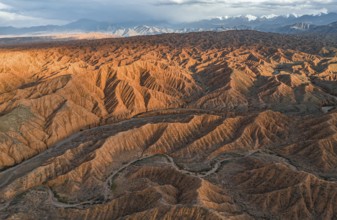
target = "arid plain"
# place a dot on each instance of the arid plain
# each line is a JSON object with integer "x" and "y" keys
{"x": 230, "y": 125}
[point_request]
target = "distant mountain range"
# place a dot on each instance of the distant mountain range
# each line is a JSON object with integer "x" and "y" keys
{"x": 290, "y": 24}
{"x": 307, "y": 28}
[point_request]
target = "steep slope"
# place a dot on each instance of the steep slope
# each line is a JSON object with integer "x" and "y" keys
{"x": 232, "y": 125}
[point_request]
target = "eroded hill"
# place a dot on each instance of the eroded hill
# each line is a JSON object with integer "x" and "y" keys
{"x": 238, "y": 125}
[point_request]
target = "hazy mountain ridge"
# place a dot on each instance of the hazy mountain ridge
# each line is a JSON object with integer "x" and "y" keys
{"x": 307, "y": 28}
{"x": 278, "y": 24}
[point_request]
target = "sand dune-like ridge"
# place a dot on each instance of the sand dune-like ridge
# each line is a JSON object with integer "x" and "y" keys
{"x": 232, "y": 125}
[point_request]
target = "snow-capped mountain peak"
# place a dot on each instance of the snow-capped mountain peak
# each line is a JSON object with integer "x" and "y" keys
{"x": 251, "y": 17}
{"x": 270, "y": 16}
{"x": 271, "y": 23}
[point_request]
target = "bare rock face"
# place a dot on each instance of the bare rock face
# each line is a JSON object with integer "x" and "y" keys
{"x": 232, "y": 125}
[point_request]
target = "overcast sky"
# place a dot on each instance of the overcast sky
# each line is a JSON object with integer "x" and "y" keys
{"x": 41, "y": 12}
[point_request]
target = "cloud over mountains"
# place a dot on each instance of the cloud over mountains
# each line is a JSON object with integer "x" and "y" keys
{"x": 39, "y": 12}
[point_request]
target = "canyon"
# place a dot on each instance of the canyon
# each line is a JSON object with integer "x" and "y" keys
{"x": 209, "y": 125}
